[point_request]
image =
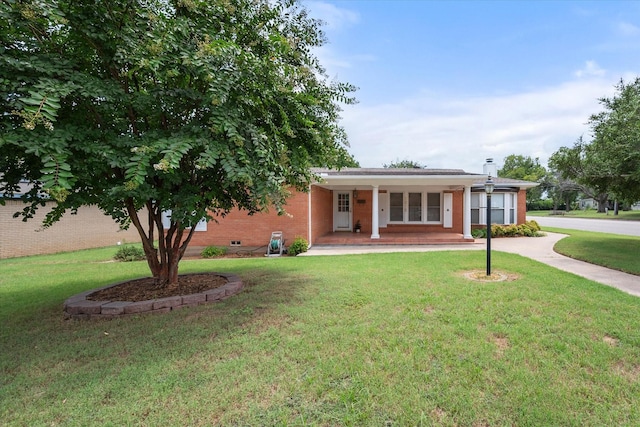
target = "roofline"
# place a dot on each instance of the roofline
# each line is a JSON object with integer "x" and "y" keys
{"x": 376, "y": 172}
{"x": 387, "y": 177}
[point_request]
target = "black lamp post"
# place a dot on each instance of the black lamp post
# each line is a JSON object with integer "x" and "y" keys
{"x": 488, "y": 188}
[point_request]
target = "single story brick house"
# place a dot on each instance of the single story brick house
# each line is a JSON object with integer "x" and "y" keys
{"x": 390, "y": 206}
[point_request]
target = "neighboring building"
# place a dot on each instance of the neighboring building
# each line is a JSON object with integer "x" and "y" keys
{"x": 391, "y": 206}
{"x": 89, "y": 228}
{"x": 588, "y": 203}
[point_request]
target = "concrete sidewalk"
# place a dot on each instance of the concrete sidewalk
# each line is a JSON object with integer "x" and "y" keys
{"x": 536, "y": 248}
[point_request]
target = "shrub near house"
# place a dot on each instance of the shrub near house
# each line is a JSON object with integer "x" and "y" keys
{"x": 528, "y": 229}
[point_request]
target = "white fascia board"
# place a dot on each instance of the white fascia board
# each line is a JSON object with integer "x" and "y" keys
{"x": 371, "y": 180}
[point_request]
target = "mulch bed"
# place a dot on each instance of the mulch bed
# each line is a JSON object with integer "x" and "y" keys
{"x": 147, "y": 288}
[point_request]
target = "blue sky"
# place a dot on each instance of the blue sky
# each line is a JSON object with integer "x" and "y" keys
{"x": 450, "y": 83}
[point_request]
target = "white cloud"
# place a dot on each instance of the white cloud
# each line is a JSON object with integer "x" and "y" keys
{"x": 334, "y": 17}
{"x": 461, "y": 133}
{"x": 330, "y": 60}
{"x": 591, "y": 68}
{"x": 628, "y": 29}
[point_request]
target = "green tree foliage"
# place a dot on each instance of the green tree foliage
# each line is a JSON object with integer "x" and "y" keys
{"x": 562, "y": 190}
{"x": 404, "y": 164}
{"x": 185, "y": 106}
{"x": 609, "y": 165}
{"x": 527, "y": 169}
{"x": 581, "y": 167}
{"x": 616, "y": 142}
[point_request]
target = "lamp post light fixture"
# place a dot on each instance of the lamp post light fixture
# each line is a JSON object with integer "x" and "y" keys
{"x": 488, "y": 188}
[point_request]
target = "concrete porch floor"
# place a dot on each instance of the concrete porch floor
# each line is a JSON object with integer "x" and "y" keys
{"x": 350, "y": 238}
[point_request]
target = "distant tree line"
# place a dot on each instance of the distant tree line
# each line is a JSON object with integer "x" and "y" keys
{"x": 606, "y": 168}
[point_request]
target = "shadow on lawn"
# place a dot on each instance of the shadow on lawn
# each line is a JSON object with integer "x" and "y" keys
{"x": 74, "y": 350}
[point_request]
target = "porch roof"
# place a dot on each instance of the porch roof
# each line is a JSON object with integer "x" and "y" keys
{"x": 505, "y": 183}
{"x": 367, "y": 177}
{"x": 453, "y": 178}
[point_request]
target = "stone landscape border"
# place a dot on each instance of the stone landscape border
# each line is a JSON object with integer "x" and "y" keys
{"x": 79, "y": 307}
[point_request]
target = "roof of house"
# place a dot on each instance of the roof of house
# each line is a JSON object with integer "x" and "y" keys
{"x": 392, "y": 172}
{"x": 367, "y": 177}
{"x": 506, "y": 182}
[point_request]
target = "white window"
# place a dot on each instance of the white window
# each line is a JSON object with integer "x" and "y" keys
{"x": 415, "y": 207}
{"x": 396, "y": 207}
{"x": 433, "y": 207}
{"x": 409, "y": 207}
{"x": 475, "y": 208}
{"x": 497, "y": 208}
{"x": 166, "y": 221}
{"x": 511, "y": 198}
{"x": 503, "y": 208}
{"x": 343, "y": 202}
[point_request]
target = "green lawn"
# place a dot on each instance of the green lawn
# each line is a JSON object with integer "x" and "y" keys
{"x": 379, "y": 339}
{"x": 608, "y": 250}
{"x": 591, "y": 213}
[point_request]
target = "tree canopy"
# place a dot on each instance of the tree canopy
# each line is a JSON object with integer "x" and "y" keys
{"x": 614, "y": 153}
{"x": 578, "y": 165}
{"x": 187, "y": 106}
{"x": 609, "y": 164}
{"x": 404, "y": 164}
{"x": 526, "y": 168}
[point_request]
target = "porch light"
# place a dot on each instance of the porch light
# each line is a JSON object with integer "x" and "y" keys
{"x": 488, "y": 188}
{"x": 355, "y": 193}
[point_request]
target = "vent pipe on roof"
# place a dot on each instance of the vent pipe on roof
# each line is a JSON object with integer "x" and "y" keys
{"x": 490, "y": 168}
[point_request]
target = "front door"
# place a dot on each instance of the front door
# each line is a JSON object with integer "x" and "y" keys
{"x": 448, "y": 210}
{"x": 342, "y": 210}
{"x": 383, "y": 207}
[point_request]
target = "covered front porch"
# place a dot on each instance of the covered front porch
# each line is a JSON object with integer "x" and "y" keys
{"x": 391, "y": 207}
{"x": 392, "y": 238}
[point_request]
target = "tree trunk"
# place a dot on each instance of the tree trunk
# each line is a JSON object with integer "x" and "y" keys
{"x": 163, "y": 261}
{"x": 602, "y": 198}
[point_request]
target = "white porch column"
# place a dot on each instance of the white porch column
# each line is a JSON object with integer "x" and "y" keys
{"x": 375, "y": 229}
{"x": 309, "y": 218}
{"x": 466, "y": 213}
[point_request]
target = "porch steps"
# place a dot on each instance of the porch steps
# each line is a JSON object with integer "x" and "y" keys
{"x": 348, "y": 238}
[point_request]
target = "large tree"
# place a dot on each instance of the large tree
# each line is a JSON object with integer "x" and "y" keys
{"x": 584, "y": 168}
{"x": 609, "y": 164}
{"x": 562, "y": 190}
{"x": 526, "y": 168}
{"x": 616, "y": 142}
{"x": 142, "y": 107}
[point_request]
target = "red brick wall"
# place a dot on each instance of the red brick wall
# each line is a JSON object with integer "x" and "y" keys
{"x": 522, "y": 206}
{"x": 255, "y": 230}
{"x": 458, "y": 212}
{"x": 362, "y": 211}
{"x": 322, "y": 212}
